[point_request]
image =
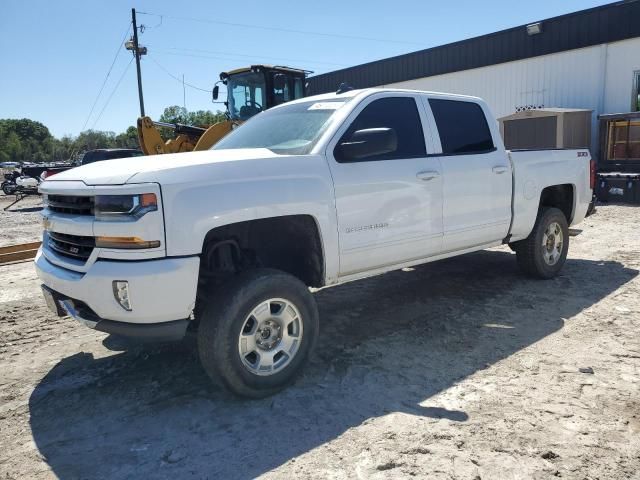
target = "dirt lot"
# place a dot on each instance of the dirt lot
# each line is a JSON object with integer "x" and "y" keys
{"x": 21, "y": 223}
{"x": 458, "y": 369}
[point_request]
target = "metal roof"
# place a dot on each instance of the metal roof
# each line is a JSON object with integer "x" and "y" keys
{"x": 542, "y": 112}
{"x": 620, "y": 116}
{"x": 608, "y": 23}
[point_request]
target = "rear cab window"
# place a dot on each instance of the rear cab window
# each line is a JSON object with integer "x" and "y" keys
{"x": 462, "y": 127}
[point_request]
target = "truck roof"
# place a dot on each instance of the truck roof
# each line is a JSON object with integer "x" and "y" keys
{"x": 369, "y": 91}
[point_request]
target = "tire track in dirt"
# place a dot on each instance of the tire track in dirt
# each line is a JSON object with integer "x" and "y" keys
{"x": 457, "y": 369}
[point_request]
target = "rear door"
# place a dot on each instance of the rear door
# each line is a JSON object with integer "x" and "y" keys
{"x": 389, "y": 207}
{"x": 476, "y": 174}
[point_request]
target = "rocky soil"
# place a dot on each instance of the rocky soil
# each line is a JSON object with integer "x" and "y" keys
{"x": 461, "y": 369}
{"x": 21, "y": 223}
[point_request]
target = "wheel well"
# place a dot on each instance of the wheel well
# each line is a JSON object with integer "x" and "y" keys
{"x": 289, "y": 243}
{"x": 559, "y": 196}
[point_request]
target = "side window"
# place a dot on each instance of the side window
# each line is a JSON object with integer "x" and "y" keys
{"x": 462, "y": 127}
{"x": 281, "y": 89}
{"x": 635, "y": 101}
{"x": 298, "y": 91}
{"x": 258, "y": 96}
{"x": 397, "y": 113}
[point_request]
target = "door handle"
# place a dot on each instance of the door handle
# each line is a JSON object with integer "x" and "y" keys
{"x": 499, "y": 169}
{"x": 428, "y": 175}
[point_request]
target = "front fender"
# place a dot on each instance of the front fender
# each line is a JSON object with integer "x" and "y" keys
{"x": 193, "y": 209}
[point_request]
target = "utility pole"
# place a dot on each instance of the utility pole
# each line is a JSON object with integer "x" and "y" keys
{"x": 138, "y": 52}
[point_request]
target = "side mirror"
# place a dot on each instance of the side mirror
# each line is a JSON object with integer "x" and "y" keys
{"x": 367, "y": 143}
{"x": 216, "y": 90}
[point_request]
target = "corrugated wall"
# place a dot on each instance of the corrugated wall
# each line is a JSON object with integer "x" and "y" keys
{"x": 609, "y": 23}
{"x": 585, "y": 59}
{"x": 571, "y": 79}
{"x": 599, "y": 78}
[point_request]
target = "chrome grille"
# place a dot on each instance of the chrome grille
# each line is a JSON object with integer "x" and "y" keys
{"x": 73, "y": 204}
{"x": 73, "y": 246}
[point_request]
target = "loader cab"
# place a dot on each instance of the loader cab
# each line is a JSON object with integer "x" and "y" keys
{"x": 259, "y": 87}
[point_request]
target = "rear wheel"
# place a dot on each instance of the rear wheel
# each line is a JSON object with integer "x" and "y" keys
{"x": 543, "y": 253}
{"x": 257, "y": 331}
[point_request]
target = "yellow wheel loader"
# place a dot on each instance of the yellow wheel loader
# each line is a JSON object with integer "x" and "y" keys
{"x": 250, "y": 90}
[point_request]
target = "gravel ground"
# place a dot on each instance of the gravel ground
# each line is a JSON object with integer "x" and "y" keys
{"x": 458, "y": 369}
{"x": 21, "y": 223}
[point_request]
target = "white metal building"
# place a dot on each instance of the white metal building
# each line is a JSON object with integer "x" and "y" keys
{"x": 588, "y": 59}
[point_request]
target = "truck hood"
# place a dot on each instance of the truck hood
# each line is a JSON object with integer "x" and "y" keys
{"x": 142, "y": 169}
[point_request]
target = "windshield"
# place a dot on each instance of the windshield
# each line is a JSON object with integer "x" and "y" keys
{"x": 291, "y": 129}
{"x": 246, "y": 95}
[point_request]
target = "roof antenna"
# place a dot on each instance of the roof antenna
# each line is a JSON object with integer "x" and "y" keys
{"x": 344, "y": 87}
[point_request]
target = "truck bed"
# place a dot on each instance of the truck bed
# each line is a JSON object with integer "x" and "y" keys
{"x": 534, "y": 170}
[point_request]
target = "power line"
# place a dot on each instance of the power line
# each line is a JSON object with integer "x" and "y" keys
{"x": 315, "y": 68}
{"x": 278, "y": 29}
{"x": 113, "y": 92}
{"x": 95, "y": 102}
{"x": 243, "y": 55}
{"x": 165, "y": 70}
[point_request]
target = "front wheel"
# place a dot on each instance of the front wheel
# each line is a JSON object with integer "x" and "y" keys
{"x": 257, "y": 331}
{"x": 543, "y": 253}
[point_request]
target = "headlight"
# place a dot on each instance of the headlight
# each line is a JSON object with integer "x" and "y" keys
{"x": 119, "y": 207}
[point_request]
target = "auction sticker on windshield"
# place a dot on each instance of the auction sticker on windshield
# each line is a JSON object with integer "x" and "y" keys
{"x": 326, "y": 106}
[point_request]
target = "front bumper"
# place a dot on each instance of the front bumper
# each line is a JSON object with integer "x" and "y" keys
{"x": 163, "y": 291}
{"x": 156, "y": 332}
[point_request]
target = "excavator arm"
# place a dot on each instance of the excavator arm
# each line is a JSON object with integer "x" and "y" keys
{"x": 213, "y": 134}
{"x": 187, "y": 138}
{"x": 264, "y": 86}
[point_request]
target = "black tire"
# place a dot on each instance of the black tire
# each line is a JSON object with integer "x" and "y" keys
{"x": 223, "y": 317}
{"x": 7, "y": 189}
{"x": 530, "y": 251}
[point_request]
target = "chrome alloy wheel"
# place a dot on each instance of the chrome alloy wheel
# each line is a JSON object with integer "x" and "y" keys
{"x": 552, "y": 243}
{"x": 270, "y": 337}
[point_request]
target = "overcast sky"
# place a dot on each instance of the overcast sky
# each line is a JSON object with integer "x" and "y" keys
{"x": 56, "y": 54}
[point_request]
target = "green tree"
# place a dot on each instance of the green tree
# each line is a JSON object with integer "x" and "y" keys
{"x": 25, "y": 140}
{"x": 200, "y": 118}
{"x": 13, "y": 147}
{"x": 65, "y": 148}
{"x": 128, "y": 139}
{"x": 175, "y": 114}
{"x": 92, "y": 139}
{"x": 205, "y": 118}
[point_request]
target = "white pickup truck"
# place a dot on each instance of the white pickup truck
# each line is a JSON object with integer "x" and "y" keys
{"x": 225, "y": 243}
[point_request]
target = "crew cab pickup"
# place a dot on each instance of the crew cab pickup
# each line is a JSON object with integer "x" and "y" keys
{"x": 225, "y": 243}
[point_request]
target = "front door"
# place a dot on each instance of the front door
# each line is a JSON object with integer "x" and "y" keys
{"x": 389, "y": 206}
